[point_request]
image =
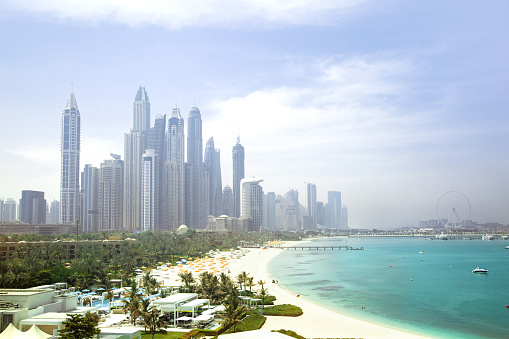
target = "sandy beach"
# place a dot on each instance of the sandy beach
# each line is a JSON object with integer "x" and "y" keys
{"x": 317, "y": 321}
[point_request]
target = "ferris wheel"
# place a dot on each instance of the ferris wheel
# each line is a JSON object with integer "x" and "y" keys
{"x": 453, "y": 209}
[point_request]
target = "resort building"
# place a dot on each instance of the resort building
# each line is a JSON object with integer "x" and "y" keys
{"x": 226, "y": 224}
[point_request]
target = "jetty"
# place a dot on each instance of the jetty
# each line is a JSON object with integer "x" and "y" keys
{"x": 321, "y": 247}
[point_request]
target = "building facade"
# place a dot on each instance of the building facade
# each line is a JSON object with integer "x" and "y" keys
{"x": 251, "y": 202}
{"x": 32, "y": 207}
{"x": 238, "y": 157}
{"x": 89, "y": 199}
{"x": 70, "y": 139}
{"x": 334, "y": 209}
{"x": 311, "y": 204}
{"x": 173, "y": 178}
{"x": 150, "y": 191}
{"x": 195, "y": 197}
{"x": 212, "y": 164}
{"x": 110, "y": 204}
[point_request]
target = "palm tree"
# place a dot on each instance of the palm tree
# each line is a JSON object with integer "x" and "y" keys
{"x": 188, "y": 280}
{"x": 144, "y": 310}
{"x": 109, "y": 296}
{"x": 153, "y": 321}
{"x": 132, "y": 302}
{"x": 262, "y": 292}
{"x": 250, "y": 283}
{"x": 234, "y": 312}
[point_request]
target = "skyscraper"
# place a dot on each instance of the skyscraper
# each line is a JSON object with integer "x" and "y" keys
{"x": 10, "y": 207}
{"x": 173, "y": 180}
{"x": 134, "y": 145}
{"x": 141, "y": 111}
{"x": 238, "y": 175}
{"x": 90, "y": 199}
{"x": 156, "y": 141}
{"x": 271, "y": 211}
{"x": 227, "y": 201}
{"x": 214, "y": 184}
{"x": 334, "y": 209}
{"x": 54, "y": 212}
{"x": 110, "y": 204}
{"x": 195, "y": 208}
{"x": 32, "y": 207}
{"x": 150, "y": 194}
{"x": 311, "y": 203}
{"x": 70, "y": 162}
{"x": 251, "y": 202}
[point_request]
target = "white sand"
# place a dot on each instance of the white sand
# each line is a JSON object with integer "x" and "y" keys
{"x": 317, "y": 321}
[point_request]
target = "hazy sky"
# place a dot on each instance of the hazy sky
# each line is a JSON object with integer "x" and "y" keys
{"x": 393, "y": 103}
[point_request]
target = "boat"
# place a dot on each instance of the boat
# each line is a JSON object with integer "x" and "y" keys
{"x": 488, "y": 237}
{"x": 441, "y": 236}
{"x": 479, "y": 270}
{"x": 422, "y": 252}
{"x": 507, "y": 247}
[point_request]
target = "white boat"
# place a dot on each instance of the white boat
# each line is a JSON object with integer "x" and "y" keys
{"x": 441, "y": 236}
{"x": 488, "y": 237}
{"x": 479, "y": 270}
{"x": 422, "y": 252}
{"x": 507, "y": 247}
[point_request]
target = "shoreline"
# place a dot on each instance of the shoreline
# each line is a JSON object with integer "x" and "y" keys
{"x": 317, "y": 321}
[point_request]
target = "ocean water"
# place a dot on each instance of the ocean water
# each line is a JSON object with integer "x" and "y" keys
{"x": 390, "y": 283}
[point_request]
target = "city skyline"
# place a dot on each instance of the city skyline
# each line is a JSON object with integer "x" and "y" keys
{"x": 391, "y": 104}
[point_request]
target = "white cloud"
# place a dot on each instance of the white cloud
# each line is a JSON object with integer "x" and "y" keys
{"x": 176, "y": 14}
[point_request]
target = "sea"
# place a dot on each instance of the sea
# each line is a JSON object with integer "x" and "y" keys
{"x": 391, "y": 283}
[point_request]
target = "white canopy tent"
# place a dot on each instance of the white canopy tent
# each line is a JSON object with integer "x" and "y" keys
{"x": 10, "y": 332}
{"x": 34, "y": 333}
{"x": 193, "y": 305}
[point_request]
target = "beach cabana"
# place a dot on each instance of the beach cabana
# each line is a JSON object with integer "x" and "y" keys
{"x": 193, "y": 305}
{"x": 10, "y": 332}
{"x": 172, "y": 303}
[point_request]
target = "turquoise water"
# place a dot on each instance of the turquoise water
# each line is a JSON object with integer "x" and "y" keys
{"x": 433, "y": 294}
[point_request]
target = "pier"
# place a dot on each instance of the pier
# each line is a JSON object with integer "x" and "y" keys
{"x": 322, "y": 247}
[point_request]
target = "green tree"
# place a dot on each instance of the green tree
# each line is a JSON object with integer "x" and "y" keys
{"x": 234, "y": 312}
{"x": 263, "y": 292}
{"x": 152, "y": 321}
{"x": 79, "y": 326}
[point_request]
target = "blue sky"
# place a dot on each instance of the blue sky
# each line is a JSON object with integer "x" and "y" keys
{"x": 392, "y": 103}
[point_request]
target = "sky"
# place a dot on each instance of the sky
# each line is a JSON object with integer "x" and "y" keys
{"x": 393, "y": 103}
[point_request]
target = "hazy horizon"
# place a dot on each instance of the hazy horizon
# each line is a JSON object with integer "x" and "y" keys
{"x": 391, "y": 103}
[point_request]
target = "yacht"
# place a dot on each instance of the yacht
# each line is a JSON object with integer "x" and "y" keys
{"x": 479, "y": 270}
{"x": 507, "y": 247}
{"x": 488, "y": 237}
{"x": 441, "y": 236}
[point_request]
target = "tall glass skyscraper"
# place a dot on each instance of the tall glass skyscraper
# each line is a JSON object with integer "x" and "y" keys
{"x": 70, "y": 138}
{"x": 238, "y": 175}
{"x": 134, "y": 146}
{"x": 173, "y": 181}
{"x": 214, "y": 184}
{"x": 141, "y": 111}
{"x": 195, "y": 208}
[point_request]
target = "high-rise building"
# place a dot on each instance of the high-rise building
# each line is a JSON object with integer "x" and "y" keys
{"x": 344, "y": 217}
{"x": 173, "y": 179}
{"x": 334, "y": 209}
{"x": 271, "y": 211}
{"x": 134, "y": 146}
{"x": 251, "y": 202}
{"x": 70, "y": 139}
{"x": 32, "y": 207}
{"x": 214, "y": 184}
{"x": 227, "y": 201}
{"x": 238, "y": 175}
{"x": 90, "y": 199}
{"x": 141, "y": 111}
{"x": 10, "y": 208}
{"x": 110, "y": 202}
{"x": 150, "y": 194}
{"x": 195, "y": 207}
{"x": 54, "y": 212}
{"x": 156, "y": 141}
{"x": 311, "y": 203}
